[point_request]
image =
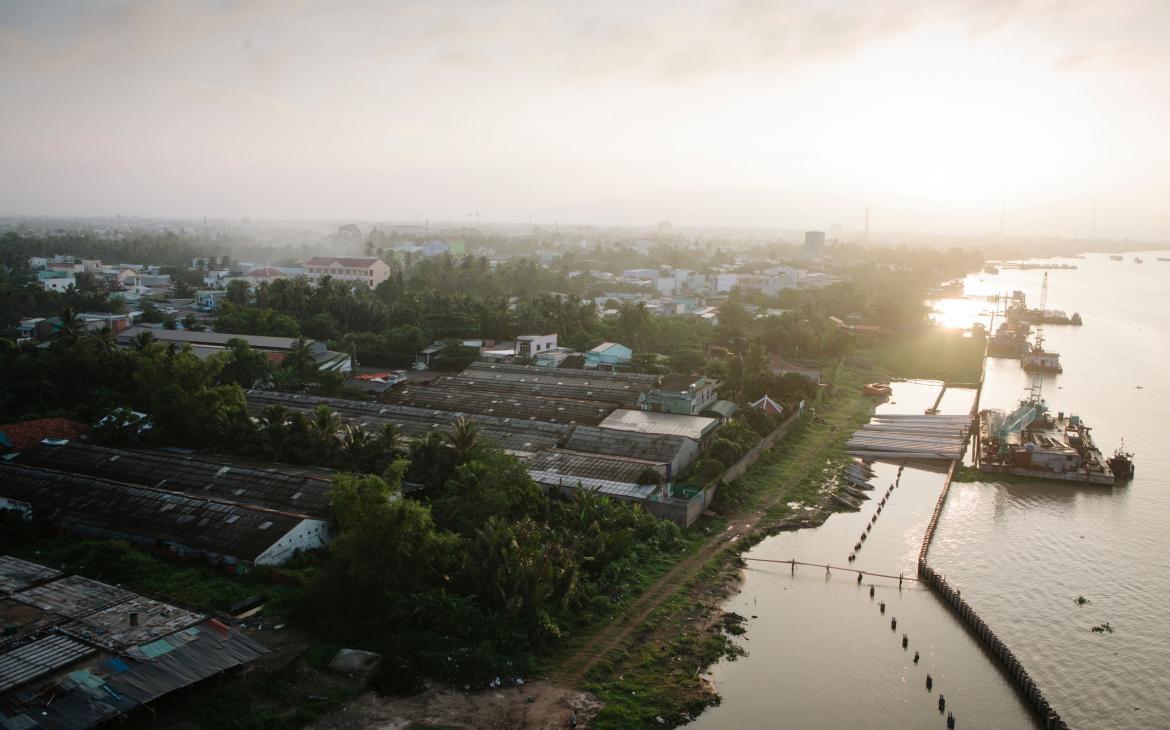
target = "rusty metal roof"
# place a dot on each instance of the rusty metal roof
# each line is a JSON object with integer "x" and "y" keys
{"x": 288, "y": 489}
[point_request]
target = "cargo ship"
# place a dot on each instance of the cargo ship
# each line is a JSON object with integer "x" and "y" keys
{"x": 1032, "y": 442}
{"x": 1010, "y": 340}
{"x": 1043, "y": 316}
{"x": 1039, "y": 360}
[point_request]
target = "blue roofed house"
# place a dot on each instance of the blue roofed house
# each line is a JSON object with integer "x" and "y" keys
{"x": 608, "y": 356}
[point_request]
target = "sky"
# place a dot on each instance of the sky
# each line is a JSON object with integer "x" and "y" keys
{"x": 936, "y": 115}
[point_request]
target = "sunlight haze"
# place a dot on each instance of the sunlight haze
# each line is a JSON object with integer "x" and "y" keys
{"x": 931, "y": 114}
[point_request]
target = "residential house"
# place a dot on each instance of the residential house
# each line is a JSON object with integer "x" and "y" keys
{"x": 208, "y": 299}
{"x": 263, "y": 274}
{"x": 55, "y": 280}
{"x": 608, "y": 356}
{"x": 356, "y": 270}
{"x": 685, "y": 394}
{"x": 530, "y": 346}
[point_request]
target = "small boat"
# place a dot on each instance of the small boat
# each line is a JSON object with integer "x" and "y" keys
{"x": 1137, "y": 260}
{"x": 1117, "y": 257}
{"x": 877, "y": 389}
{"x": 1121, "y": 464}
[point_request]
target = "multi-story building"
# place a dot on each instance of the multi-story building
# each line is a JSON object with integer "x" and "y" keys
{"x": 685, "y": 394}
{"x": 358, "y": 270}
{"x": 532, "y": 345}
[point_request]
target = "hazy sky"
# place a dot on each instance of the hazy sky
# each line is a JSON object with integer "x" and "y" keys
{"x": 789, "y": 114}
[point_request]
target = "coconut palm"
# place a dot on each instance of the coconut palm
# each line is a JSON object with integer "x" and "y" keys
{"x": 324, "y": 426}
{"x": 300, "y": 358}
{"x": 462, "y": 439}
{"x": 71, "y": 327}
{"x": 142, "y": 340}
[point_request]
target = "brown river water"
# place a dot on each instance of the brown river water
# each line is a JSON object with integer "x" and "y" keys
{"x": 822, "y": 655}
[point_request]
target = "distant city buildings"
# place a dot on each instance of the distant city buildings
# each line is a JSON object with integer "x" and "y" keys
{"x": 814, "y": 244}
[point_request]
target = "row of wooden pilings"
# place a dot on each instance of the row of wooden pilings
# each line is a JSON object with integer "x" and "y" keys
{"x": 1031, "y": 693}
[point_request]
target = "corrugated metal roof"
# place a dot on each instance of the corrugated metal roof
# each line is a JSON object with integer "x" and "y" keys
{"x": 260, "y": 342}
{"x": 102, "y": 507}
{"x": 73, "y": 597}
{"x": 16, "y": 574}
{"x": 39, "y": 658}
{"x": 649, "y": 422}
{"x": 451, "y": 394}
{"x": 590, "y": 466}
{"x": 616, "y": 489}
{"x": 288, "y": 489}
{"x": 112, "y": 628}
{"x": 561, "y": 373}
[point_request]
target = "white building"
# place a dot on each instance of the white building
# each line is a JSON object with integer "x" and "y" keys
{"x": 532, "y": 345}
{"x": 358, "y": 270}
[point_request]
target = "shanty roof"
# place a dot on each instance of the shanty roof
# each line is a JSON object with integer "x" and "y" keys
{"x": 17, "y": 574}
{"x": 650, "y": 422}
{"x": 288, "y": 489}
{"x": 107, "y": 686}
{"x": 73, "y": 596}
{"x": 113, "y": 629}
{"x": 38, "y": 658}
{"x": 103, "y": 507}
{"x": 348, "y": 261}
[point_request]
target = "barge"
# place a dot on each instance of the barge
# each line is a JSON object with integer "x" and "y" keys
{"x": 1032, "y": 442}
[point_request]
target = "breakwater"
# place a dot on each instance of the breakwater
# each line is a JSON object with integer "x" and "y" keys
{"x": 1028, "y": 689}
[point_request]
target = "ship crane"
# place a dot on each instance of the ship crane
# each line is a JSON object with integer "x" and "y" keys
{"x": 1043, "y": 305}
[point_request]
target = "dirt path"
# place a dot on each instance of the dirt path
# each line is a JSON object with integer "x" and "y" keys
{"x": 571, "y": 671}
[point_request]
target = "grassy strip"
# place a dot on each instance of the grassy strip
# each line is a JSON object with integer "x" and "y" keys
{"x": 195, "y": 586}
{"x": 931, "y": 353}
{"x": 656, "y": 681}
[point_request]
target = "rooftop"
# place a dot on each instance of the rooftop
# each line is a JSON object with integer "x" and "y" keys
{"x": 348, "y": 261}
{"x": 292, "y": 489}
{"x": 106, "y": 508}
{"x": 16, "y": 574}
{"x": 213, "y": 338}
{"x": 649, "y": 422}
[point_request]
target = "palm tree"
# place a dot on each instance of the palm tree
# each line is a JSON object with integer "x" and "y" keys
{"x": 462, "y": 439}
{"x": 357, "y": 445}
{"x": 324, "y": 425}
{"x": 71, "y": 327}
{"x": 142, "y": 340}
{"x": 300, "y": 358}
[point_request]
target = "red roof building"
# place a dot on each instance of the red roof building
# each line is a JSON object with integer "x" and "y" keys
{"x": 27, "y": 434}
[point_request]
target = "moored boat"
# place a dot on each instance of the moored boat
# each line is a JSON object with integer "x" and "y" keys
{"x": 877, "y": 389}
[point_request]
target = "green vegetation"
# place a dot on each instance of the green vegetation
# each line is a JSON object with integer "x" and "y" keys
{"x": 929, "y": 353}
{"x": 196, "y": 586}
{"x": 658, "y": 672}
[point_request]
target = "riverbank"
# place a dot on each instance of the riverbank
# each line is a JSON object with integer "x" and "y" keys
{"x": 654, "y": 677}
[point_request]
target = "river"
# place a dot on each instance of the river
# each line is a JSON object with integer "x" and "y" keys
{"x": 822, "y": 655}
